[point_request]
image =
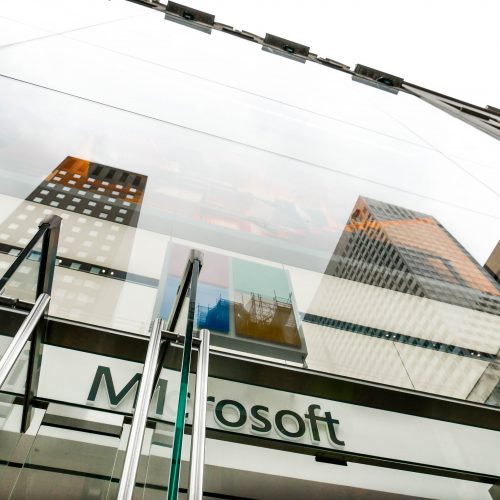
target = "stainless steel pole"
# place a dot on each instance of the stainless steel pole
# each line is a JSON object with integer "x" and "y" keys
{"x": 22, "y": 336}
{"x": 134, "y": 445}
{"x": 199, "y": 419}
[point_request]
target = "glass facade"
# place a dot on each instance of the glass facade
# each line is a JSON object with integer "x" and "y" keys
{"x": 348, "y": 274}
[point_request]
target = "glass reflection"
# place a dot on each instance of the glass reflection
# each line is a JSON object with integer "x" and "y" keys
{"x": 249, "y": 306}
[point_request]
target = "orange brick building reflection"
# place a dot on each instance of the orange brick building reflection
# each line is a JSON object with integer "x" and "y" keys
{"x": 93, "y": 189}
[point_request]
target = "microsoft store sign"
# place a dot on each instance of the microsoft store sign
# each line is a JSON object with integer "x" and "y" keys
{"x": 80, "y": 378}
{"x": 288, "y": 424}
{"x": 228, "y": 413}
{"x": 110, "y": 383}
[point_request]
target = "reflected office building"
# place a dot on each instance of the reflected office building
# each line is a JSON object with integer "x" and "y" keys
{"x": 411, "y": 252}
{"x": 400, "y": 287}
{"x": 100, "y": 206}
{"x": 92, "y": 189}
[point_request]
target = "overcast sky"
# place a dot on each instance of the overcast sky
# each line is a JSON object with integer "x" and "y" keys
{"x": 450, "y": 46}
{"x": 258, "y": 115}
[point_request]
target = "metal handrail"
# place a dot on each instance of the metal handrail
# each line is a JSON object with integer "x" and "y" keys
{"x": 180, "y": 296}
{"x": 22, "y": 336}
{"x": 136, "y": 436}
{"x": 195, "y": 491}
{"x": 153, "y": 364}
{"x": 139, "y": 419}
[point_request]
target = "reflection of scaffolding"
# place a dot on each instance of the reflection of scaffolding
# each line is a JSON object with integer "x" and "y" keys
{"x": 267, "y": 319}
{"x": 265, "y": 312}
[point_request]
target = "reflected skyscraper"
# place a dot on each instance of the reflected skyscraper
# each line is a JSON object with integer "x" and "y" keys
{"x": 100, "y": 207}
{"x": 410, "y": 252}
{"x": 93, "y": 189}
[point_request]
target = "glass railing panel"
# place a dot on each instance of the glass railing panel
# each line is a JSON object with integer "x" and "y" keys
{"x": 106, "y": 386}
{"x": 23, "y": 282}
{"x": 11, "y": 393}
{"x": 10, "y": 425}
{"x": 14, "y": 445}
{"x": 253, "y": 472}
{"x": 156, "y": 455}
{"x": 152, "y": 479}
{"x": 74, "y": 452}
{"x": 155, "y": 467}
{"x": 176, "y": 280}
{"x": 12, "y": 390}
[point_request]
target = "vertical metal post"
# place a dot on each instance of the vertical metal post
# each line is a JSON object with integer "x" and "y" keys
{"x": 175, "y": 466}
{"x": 180, "y": 296}
{"x": 48, "y": 257}
{"x": 145, "y": 391}
{"x": 195, "y": 490}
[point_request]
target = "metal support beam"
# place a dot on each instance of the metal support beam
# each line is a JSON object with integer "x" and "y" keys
{"x": 180, "y": 297}
{"x": 195, "y": 490}
{"x": 175, "y": 466}
{"x": 145, "y": 391}
{"x": 51, "y": 225}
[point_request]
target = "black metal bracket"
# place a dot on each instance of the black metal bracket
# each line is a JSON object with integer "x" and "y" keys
{"x": 377, "y": 79}
{"x": 178, "y": 338}
{"x": 286, "y": 48}
{"x": 187, "y": 16}
{"x": 188, "y": 283}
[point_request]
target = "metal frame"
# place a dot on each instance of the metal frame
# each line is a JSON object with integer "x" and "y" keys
{"x": 52, "y": 226}
{"x": 48, "y": 231}
{"x": 186, "y": 282}
{"x": 193, "y": 269}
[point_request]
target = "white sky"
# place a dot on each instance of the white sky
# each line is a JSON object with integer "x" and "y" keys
{"x": 308, "y": 129}
{"x": 450, "y": 46}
